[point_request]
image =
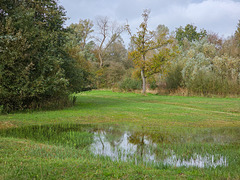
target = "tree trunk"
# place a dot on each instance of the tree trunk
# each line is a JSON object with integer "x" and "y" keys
{"x": 100, "y": 59}
{"x": 143, "y": 82}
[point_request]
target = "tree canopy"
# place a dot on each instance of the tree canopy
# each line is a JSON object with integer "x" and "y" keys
{"x": 190, "y": 33}
{"x": 33, "y": 58}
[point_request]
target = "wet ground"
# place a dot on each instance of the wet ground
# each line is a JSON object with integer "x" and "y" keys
{"x": 126, "y": 144}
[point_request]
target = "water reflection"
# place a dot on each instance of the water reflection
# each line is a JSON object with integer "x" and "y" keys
{"x": 139, "y": 147}
{"x": 116, "y": 150}
{"x": 196, "y": 161}
{"x": 127, "y": 145}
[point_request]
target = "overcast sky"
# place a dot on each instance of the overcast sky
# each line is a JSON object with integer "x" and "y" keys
{"x": 219, "y": 16}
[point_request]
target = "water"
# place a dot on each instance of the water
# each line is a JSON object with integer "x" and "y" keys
{"x": 142, "y": 149}
{"x": 120, "y": 144}
{"x": 196, "y": 161}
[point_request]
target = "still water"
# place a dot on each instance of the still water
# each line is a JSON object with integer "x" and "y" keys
{"x": 128, "y": 146}
{"x": 124, "y": 144}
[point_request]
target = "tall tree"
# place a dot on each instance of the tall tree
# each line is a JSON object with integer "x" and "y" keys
{"x": 80, "y": 33}
{"x": 237, "y": 33}
{"x": 116, "y": 53}
{"x": 151, "y": 49}
{"x": 237, "y": 38}
{"x": 79, "y": 47}
{"x": 115, "y": 63}
{"x": 231, "y": 46}
{"x": 32, "y": 40}
{"x": 214, "y": 38}
{"x": 108, "y": 33}
{"x": 190, "y": 33}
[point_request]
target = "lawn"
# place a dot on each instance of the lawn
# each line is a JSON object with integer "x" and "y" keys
{"x": 184, "y": 125}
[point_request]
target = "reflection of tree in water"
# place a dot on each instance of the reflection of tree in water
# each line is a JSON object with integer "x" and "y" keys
{"x": 137, "y": 138}
{"x": 142, "y": 140}
{"x": 139, "y": 146}
{"x": 114, "y": 136}
{"x": 145, "y": 142}
{"x": 110, "y": 134}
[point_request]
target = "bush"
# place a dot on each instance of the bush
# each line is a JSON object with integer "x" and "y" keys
{"x": 153, "y": 84}
{"x": 109, "y": 76}
{"x": 174, "y": 78}
{"x": 129, "y": 84}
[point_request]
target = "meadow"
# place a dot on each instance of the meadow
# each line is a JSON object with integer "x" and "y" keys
{"x": 187, "y": 137}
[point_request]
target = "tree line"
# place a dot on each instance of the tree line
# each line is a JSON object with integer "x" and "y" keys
{"x": 43, "y": 62}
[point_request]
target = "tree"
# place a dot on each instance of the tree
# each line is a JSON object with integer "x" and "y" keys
{"x": 107, "y": 34}
{"x": 231, "y": 46}
{"x": 151, "y": 50}
{"x": 32, "y": 40}
{"x": 237, "y": 39}
{"x": 79, "y": 47}
{"x": 80, "y": 33}
{"x": 237, "y": 33}
{"x": 190, "y": 33}
{"x": 214, "y": 38}
{"x": 116, "y": 52}
{"x": 116, "y": 63}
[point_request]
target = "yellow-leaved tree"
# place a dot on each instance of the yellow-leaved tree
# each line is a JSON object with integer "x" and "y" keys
{"x": 151, "y": 50}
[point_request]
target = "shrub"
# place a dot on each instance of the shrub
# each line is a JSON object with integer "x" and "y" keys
{"x": 129, "y": 84}
{"x": 174, "y": 78}
{"x": 109, "y": 76}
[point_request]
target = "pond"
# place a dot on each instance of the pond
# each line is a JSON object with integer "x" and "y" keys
{"x": 127, "y": 145}
{"x": 123, "y": 144}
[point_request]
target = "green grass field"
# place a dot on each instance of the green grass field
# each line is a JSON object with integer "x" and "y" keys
{"x": 187, "y": 125}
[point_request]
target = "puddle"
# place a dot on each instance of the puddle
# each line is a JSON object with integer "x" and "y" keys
{"x": 121, "y": 148}
{"x": 130, "y": 147}
{"x": 118, "y": 144}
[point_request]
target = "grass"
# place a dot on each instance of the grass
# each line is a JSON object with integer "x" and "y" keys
{"x": 188, "y": 124}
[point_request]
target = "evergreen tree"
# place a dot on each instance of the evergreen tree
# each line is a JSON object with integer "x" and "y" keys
{"x": 32, "y": 57}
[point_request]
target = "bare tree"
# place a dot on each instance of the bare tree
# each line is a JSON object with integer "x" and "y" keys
{"x": 108, "y": 33}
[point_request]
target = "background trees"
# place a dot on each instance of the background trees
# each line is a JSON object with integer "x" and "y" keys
{"x": 206, "y": 66}
{"x": 42, "y": 62}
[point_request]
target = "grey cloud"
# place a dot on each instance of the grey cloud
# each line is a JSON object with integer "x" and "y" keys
{"x": 220, "y": 16}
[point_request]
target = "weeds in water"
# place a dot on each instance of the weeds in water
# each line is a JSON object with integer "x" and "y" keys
{"x": 140, "y": 147}
{"x": 72, "y": 135}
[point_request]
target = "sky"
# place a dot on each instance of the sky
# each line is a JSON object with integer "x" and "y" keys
{"x": 218, "y": 16}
